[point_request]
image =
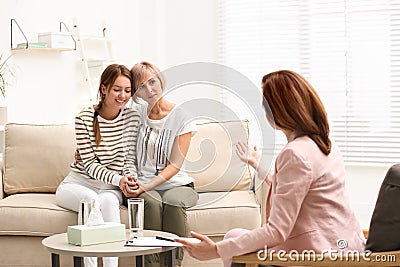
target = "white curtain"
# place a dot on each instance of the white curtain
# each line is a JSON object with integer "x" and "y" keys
{"x": 349, "y": 50}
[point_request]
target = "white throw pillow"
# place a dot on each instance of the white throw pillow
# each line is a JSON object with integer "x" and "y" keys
{"x": 212, "y": 160}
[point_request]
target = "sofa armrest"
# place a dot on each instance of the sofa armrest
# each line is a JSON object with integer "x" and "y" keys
{"x": 261, "y": 192}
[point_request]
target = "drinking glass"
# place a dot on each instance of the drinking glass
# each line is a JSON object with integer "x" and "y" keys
{"x": 85, "y": 207}
{"x": 136, "y": 215}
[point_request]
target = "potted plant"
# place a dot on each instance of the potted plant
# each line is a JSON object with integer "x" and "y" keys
{"x": 5, "y": 72}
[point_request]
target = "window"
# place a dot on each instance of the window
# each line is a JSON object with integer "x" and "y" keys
{"x": 348, "y": 49}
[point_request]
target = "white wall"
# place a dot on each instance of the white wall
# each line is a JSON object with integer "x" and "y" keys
{"x": 47, "y": 85}
{"x": 363, "y": 184}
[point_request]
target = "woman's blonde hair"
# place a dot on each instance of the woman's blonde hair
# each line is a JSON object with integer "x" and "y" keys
{"x": 296, "y": 106}
{"x": 139, "y": 72}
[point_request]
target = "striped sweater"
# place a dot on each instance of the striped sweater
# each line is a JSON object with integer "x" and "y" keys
{"x": 115, "y": 155}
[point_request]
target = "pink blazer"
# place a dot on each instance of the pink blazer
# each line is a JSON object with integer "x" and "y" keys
{"x": 307, "y": 207}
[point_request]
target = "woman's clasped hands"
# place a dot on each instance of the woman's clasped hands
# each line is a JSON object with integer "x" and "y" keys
{"x": 129, "y": 185}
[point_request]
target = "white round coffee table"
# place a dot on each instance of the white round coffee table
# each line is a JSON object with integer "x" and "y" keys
{"x": 58, "y": 244}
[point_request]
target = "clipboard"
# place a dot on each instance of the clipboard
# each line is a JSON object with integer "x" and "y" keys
{"x": 156, "y": 241}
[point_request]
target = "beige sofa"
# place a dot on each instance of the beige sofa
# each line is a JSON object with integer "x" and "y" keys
{"x": 37, "y": 157}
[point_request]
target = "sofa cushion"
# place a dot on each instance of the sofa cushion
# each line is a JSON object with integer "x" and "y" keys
{"x": 218, "y": 212}
{"x": 34, "y": 215}
{"x": 212, "y": 160}
{"x": 215, "y": 214}
{"x": 38, "y": 214}
{"x": 37, "y": 157}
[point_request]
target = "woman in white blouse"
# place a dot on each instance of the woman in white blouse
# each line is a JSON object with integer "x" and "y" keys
{"x": 163, "y": 141}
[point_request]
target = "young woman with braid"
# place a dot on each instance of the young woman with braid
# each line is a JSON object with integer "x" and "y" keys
{"x": 106, "y": 136}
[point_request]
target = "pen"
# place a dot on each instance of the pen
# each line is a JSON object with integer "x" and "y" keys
{"x": 165, "y": 239}
{"x": 130, "y": 240}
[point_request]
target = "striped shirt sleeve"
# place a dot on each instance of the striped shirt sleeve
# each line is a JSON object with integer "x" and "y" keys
{"x": 90, "y": 162}
{"x": 130, "y": 164}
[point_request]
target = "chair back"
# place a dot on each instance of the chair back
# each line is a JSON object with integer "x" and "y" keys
{"x": 384, "y": 230}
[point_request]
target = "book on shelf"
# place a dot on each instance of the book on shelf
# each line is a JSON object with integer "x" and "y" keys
{"x": 32, "y": 45}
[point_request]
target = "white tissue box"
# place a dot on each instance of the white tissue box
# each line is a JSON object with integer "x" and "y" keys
{"x": 83, "y": 235}
{"x": 56, "y": 40}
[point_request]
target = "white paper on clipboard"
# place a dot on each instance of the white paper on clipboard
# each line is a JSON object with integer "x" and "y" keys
{"x": 152, "y": 241}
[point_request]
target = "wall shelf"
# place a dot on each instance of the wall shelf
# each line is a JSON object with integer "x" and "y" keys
{"x": 44, "y": 49}
{"x": 27, "y": 45}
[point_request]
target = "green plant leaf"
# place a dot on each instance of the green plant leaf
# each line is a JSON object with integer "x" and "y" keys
{"x": 4, "y": 71}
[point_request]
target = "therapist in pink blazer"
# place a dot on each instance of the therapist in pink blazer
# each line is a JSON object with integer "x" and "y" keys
{"x": 307, "y": 208}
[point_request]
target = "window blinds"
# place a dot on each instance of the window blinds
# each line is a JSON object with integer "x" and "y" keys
{"x": 348, "y": 50}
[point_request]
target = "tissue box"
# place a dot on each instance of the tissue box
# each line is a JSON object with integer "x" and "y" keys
{"x": 56, "y": 40}
{"x": 83, "y": 235}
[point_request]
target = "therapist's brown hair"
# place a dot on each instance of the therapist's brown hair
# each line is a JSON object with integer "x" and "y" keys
{"x": 296, "y": 106}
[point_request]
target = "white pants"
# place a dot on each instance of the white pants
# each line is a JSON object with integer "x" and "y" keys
{"x": 69, "y": 196}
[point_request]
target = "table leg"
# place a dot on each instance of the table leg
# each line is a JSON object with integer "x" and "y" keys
{"x": 139, "y": 261}
{"x": 170, "y": 255}
{"x": 55, "y": 260}
{"x": 78, "y": 261}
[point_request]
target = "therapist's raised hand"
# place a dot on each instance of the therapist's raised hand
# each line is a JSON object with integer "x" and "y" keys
{"x": 205, "y": 250}
{"x": 247, "y": 154}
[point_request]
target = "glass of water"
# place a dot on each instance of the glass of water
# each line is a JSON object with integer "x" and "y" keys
{"x": 136, "y": 215}
{"x": 85, "y": 207}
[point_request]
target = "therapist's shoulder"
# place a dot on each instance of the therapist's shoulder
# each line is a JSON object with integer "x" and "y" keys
{"x": 302, "y": 149}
